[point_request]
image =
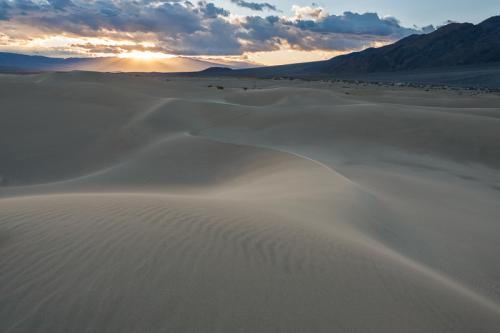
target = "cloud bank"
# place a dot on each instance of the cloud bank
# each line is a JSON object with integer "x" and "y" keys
{"x": 186, "y": 28}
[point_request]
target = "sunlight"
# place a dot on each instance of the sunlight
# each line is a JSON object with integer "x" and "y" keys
{"x": 144, "y": 55}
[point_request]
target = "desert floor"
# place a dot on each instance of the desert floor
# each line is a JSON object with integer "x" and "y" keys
{"x": 135, "y": 203}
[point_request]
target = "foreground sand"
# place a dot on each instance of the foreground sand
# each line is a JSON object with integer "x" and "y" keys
{"x": 145, "y": 204}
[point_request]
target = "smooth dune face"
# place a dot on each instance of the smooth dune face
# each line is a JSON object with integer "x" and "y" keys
{"x": 140, "y": 204}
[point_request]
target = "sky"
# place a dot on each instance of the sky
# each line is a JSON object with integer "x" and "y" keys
{"x": 266, "y": 32}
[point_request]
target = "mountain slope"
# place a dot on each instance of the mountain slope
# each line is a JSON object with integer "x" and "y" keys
{"x": 452, "y": 45}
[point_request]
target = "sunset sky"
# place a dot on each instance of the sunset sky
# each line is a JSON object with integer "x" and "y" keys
{"x": 274, "y": 32}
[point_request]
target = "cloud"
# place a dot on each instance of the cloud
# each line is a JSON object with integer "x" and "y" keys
{"x": 308, "y": 12}
{"x": 23, "y": 5}
{"x": 353, "y": 23}
{"x": 271, "y": 32}
{"x": 4, "y": 8}
{"x": 212, "y": 11}
{"x": 60, "y": 4}
{"x": 201, "y": 28}
{"x": 258, "y": 6}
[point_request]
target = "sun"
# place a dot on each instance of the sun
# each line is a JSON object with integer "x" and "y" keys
{"x": 144, "y": 55}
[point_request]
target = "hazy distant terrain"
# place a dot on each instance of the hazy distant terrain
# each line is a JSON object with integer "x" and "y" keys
{"x": 142, "y": 203}
{"x": 12, "y": 62}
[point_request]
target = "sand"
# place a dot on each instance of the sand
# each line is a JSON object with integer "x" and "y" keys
{"x": 150, "y": 204}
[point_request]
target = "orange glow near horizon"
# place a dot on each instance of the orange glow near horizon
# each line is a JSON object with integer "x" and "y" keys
{"x": 288, "y": 56}
{"x": 144, "y": 55}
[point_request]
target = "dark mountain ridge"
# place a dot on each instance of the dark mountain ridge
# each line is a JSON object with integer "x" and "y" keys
{"x": 21, "y": 62}
{"x": 455, "y": 44}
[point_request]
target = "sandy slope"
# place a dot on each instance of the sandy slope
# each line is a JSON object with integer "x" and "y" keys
{"x": 140, "y": 204}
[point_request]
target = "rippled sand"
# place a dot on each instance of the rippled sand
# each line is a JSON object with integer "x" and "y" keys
{"x": 141, "y": 204}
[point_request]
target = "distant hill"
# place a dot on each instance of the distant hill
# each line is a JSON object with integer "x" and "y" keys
{"x": 13, "y": 62}
{"x": 456, "y": 44}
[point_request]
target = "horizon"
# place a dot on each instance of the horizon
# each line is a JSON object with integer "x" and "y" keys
{"x": 222, "y": 31}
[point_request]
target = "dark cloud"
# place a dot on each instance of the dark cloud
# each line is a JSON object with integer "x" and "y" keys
{"x": 144, "y": 16}
{"x": 212, "y": 11}
{"x": 353, "y": 23}
{"x": 258, "y": 6}
{"x": 349, "y": 31}
{"x": 60, "y": 4}
{"x": 23, "y": 6}
{"x": 107, "y": 8}
{"x": 270, "y": 32}
{"x": 4, "y": 7}
{"x": 218, "y": 37}
{"x": 202, "y": 28}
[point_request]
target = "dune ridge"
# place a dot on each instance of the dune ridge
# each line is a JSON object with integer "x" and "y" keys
{"x": 139, "y": 204}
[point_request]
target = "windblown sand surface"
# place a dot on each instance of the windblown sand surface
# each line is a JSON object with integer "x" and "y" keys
{"x": 140, "y": 204}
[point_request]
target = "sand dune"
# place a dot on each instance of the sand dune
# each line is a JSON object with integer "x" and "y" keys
{"x": 140, "y": 204}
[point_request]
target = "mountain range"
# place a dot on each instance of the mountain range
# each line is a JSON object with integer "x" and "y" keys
{"x": 13, "y": 62}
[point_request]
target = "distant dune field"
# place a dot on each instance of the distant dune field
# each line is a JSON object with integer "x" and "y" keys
{"x": 149, "y": 204}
